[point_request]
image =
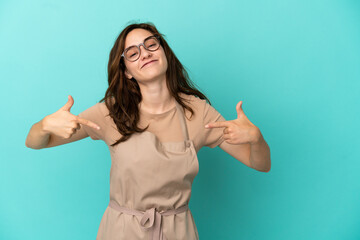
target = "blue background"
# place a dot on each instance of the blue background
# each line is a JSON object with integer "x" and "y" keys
{"x": 294, "y": 64}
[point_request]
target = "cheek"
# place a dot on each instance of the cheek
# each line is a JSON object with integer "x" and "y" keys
{"x": 165, "y": 63}
{"x": 163, "y": 56}
{"x": 130, "y": 69}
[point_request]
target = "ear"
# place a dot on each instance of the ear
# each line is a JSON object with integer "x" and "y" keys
{"x": 128, "y": 75}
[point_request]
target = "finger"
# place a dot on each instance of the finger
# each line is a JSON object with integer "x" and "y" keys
{"x": 239, "y": 109}
{"x": 226, "y": 130}
{"x": 87, "y": 123}
{"x": 218, "y": 124}
{"x": 69, "y": 104}
{"x": 226, "y": 137}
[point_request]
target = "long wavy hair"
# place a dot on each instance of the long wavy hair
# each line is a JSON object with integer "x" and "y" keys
{"x": 123, "y": 95}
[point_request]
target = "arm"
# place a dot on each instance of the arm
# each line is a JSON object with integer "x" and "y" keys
{"x": 38, "y": 138}
{"x": 244, "y": 141}
{"x": 59, "y": 128}
{"x": 255, "y": 155}
{"x": 260, "y": 154}
{"x": 240, "y": 152}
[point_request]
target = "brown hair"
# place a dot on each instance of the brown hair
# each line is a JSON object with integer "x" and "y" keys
{"x": 123, "y": 95}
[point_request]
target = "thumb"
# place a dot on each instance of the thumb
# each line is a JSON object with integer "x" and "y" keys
{"x": 69, "y": 104}
{"x": 239, "y": 109}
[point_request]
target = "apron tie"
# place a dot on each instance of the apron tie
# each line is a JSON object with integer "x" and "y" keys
{"x": 155, "y": 222}
{"x": 152, "y": 215}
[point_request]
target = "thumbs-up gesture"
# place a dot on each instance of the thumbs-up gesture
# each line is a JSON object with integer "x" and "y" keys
{"x": 63, "y": 123}
{"x": 238, "y": 131}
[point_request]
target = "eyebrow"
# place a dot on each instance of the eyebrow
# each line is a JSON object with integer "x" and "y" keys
{"x": 139, "y": 43}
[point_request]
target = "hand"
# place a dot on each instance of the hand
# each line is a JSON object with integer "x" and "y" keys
{"x": 63, "y": 123}
{"x": 238, "y": 131}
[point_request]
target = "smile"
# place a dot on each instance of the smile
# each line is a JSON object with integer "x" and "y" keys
{"x": 149, "y": 63}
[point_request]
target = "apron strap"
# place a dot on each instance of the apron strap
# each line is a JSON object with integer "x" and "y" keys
{"x": 182, "y": 121}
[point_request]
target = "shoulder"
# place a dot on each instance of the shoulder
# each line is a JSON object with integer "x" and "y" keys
{"x": 201, "y": 106}
{"x": 198, "y": 105}
{"x": 98, "y": 111}
{"x": 102, "y": 106}
{"x": 194, "y": 100}
{"x": 98, "y": 108}
{"x": 103, "y": 109}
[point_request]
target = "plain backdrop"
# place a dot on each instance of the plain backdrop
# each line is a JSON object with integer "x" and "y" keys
{"x": 294, "y": 64}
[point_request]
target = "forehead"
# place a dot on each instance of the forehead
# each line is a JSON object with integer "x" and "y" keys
{"x": 136, "y": 36}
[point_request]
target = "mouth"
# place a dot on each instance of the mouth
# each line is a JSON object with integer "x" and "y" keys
{"x": 148, "y": 63}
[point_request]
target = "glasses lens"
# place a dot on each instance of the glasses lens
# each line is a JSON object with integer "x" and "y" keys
{"x": 152, "y": 44}
{"x": 132, "y": 53}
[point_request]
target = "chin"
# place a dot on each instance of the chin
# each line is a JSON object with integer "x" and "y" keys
{"x": 150, "y": 77}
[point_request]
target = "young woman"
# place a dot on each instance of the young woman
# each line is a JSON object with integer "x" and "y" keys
{"x": 154, "y": 122}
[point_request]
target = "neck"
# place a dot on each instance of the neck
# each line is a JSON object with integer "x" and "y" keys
{"x": 156, "y": 97}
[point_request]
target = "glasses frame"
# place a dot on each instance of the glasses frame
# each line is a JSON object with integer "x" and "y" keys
{"x": 157, "y": 37}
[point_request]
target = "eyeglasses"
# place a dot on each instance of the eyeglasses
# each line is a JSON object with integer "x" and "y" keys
{"x": 132, "y": 53}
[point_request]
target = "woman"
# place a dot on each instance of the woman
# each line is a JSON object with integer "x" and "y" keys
{"x": 153, "y": 120}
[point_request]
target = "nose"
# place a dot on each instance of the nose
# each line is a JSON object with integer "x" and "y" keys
{"x": 144, "y": 52}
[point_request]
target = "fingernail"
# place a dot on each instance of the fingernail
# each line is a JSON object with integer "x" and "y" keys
{"x": 206, "y": 126}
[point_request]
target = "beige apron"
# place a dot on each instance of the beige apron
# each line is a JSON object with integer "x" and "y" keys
{"x": 150, "y": 188}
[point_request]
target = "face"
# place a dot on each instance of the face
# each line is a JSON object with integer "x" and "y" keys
{"x": 137, "y": 69}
